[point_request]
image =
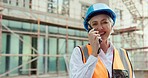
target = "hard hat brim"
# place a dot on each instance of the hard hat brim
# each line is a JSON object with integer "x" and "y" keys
{"x": 108, "y": 12}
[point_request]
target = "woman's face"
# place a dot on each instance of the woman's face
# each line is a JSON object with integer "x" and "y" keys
{"x": 103, "y": 24}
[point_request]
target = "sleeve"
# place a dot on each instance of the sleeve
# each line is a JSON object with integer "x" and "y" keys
{"x": 78, "y": 69}
{"x": 134, "y": 75}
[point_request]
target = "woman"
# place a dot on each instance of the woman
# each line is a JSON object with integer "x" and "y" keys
{"x": 99, "y": 58}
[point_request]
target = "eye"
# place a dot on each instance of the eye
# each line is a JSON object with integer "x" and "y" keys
{"x": 105, "y": 22}
{"x": 94, "y": 24}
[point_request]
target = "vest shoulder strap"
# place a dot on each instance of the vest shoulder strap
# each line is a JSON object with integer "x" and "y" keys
{"x": 125, "y": 60}
{"x": 85, "y": 50}
{"x": 84, "y": 53}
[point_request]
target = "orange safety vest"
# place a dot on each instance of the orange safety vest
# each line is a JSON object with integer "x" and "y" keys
{"x": 120, "y": 61}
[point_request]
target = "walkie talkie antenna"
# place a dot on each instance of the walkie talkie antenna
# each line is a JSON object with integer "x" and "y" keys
{"x": 88, "y": 24}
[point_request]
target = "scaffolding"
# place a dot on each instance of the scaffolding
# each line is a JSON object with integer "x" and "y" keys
{"x": 39, "y": 18}
{"x": 31, "y": 19}
{"x": 134, "y": 37}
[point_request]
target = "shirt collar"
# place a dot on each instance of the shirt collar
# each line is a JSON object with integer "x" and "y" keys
{"x": 109, "y": 50}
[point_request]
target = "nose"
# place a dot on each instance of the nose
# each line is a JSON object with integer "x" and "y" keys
{"x": 99, "y": 27}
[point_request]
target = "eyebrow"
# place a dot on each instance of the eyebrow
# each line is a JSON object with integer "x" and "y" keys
{"x": 104, "y": 19}
{"x": 101, "y": 20}
{"x": 93, "y": 22}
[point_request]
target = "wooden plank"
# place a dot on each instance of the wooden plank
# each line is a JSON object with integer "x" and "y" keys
{"x": 136, "y": 48}
{"x": 7, "y": 17}
{"x": 125, "y": 30}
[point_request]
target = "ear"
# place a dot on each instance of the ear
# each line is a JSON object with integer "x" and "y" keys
{"x": 112, "y": 30}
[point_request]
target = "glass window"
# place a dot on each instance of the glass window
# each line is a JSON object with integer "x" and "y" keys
{"x": 64, "y": 7}
{"x": 20, "y": 52}
{"x": 78, "y": 43}
{"x": 34, "y": 43}
{"x": 41, "y": 51}
{"x": 8, "y": 37}
{"x": 27, "y": 3}
{"x": 34, "y": 27}
{"x": 52, "y": 6}
{"x": 77, "y": 32}
{"x": 30, "y": 4}
{"x": 119, "y": 13}
{"x": 52, "y": 51}
{"x": 62, "y": 46}
{"x": 42, "y": 28}
{"x": 26, "y": 26}
{"x": 26, "y": 50}
{"x": 83, "y": 33}
{"x": 71, "y": 32}
{"x": 20, "y": 3}
{"x": 13, "y": 2}
{"x": 62, "y": 50}
{"x": 85, "y": 42}
{"x": 5, "y": 1}
{"x": 58, "y": 7}
{"x": 5, "y": 22}
{"x": 62, "y": 31}
{"x": 53, "y": 29}
{"x": 70, "y": 46}
{"x": 117, "y": 40}
{"x": 2, "y": 58}
{"x": 15, "y": 24}
{"x": 17, "y": 3}
{"x": 14, "y": 49}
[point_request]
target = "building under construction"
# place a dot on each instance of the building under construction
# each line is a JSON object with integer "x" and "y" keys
{"x": 38, "y": 36}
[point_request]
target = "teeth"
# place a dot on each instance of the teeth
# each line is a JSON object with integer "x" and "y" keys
{"x": 102, "y": 33}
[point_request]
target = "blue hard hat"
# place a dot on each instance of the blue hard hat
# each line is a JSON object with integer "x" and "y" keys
{"x": 96, "y": 9}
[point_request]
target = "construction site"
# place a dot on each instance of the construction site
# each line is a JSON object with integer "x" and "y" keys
{"x": 37, "y": 37}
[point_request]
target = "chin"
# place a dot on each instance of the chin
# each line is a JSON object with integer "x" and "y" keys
{"x": 104, "y": 38}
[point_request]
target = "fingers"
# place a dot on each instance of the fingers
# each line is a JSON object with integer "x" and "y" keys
{"x": 94, "y": 37}
{"x": 93, "y": 31}
{"x": 93, "y": 34}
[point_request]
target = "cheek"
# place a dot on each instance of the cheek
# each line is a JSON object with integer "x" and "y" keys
{"x": 95, "y": 27}
{"x": 109, "y": 28}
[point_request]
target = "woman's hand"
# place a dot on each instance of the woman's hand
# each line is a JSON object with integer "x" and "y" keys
{"x": 94, "y": 37}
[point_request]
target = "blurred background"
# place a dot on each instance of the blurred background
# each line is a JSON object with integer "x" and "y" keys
{"x": 38, "y": 36}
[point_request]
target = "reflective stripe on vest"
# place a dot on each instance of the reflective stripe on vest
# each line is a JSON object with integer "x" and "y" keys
{"x": 120, "y": 61}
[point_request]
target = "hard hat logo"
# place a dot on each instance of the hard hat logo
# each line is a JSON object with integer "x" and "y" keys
{"x": 96, "y": 9}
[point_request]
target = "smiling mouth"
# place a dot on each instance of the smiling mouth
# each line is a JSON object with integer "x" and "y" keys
{"x": 102, "y": 33}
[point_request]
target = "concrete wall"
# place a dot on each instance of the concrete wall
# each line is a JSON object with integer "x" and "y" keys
{"x": 75, "y": 7}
